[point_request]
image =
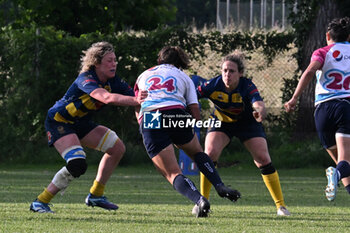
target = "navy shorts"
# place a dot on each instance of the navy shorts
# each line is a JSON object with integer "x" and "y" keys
{"x": 243, "y": 130}
{"x": 55, "y": 130}
{"x": 155, "y": 140}
{"x": 332, "y": 117}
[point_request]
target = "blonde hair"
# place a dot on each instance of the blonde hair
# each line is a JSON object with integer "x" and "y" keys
{"x": 237, "y": 57}
{"x": 93, "y": 55}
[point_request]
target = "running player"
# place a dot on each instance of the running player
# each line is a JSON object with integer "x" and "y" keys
{"x": 241, "y": 110}
{"x": 331, "y": 64}
{"x": 170, "y": 93}
{"x": 69, "y": 127}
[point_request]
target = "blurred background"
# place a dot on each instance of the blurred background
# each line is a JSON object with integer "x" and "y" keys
{"x": 42, "y": 41}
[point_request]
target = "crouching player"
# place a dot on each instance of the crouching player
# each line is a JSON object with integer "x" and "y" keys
{"x": 68, "y": 126}
{"x": 240, "y": 108}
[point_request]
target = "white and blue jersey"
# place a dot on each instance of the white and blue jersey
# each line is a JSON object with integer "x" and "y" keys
{"x": 333, "y": 80}
{"x": 332, "y": 100}
{"x": 168, "y": 88}
{"x": 170, "y": 91}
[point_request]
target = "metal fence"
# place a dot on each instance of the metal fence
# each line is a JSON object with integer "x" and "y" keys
{"x": 252, "y": 14}
{"x": 267, "y": 77}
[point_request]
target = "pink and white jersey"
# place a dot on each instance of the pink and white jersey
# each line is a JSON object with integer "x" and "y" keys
{"x": 333, "y": 80}
{"x": 168, "y": 87}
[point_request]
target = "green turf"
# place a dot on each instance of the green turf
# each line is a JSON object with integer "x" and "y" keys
{"x": 147, "y": 203}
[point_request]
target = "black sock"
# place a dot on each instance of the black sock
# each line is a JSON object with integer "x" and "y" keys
{"x": 344, "y": 169}
{"x": 348, "y": 188}
{"x": 267, "y": 169}
{"x": 186, "y": 187}
{"x": 207, "y": 167}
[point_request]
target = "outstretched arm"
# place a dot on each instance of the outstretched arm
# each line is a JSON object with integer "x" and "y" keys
{"x": 106, "y": 97}
{"x": 305, "y": 79}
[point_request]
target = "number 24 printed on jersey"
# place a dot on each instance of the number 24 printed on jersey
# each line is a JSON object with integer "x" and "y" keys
{"x": 158, "y": 83}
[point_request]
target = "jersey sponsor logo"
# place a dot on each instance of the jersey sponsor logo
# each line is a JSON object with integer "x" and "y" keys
{"x": 158, "y": 83}
{"x": 337, "y": 80}
{"x": 337, "y": 55}
{"x": 219, "y": 96}
{"x": 236, "y": 98}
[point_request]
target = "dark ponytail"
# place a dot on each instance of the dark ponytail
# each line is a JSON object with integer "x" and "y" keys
{"x": 339, "y": 29}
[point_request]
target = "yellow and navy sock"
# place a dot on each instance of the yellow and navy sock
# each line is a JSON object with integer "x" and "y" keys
{"x": 205, "y": 184}
{"x": 272, "y": 182}
{"x": 45, "y": 196}
{"x": 97, "y": 189}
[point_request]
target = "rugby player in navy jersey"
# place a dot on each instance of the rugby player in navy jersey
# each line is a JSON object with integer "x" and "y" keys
{"x": 69, "y": 127}
{"x": 331, "y": 64}
{"x": 241, "y": 110}
{"x": 170, "y": 93}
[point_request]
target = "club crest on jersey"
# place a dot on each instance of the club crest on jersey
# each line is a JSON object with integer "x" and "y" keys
{"x": 61, "y": 130}
{"x": 158, "y": 83}
{"x": 337, "y": 55}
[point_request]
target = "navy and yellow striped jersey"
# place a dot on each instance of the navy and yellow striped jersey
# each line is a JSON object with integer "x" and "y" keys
{"x": 230, "y": 106}
{"x": 78, "y": 104}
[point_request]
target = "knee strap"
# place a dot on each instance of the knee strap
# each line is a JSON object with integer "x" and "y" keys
{"x": 107, "y": 141}
{"x": 62, "y": 178}
{"x": 77, "y": 167}
{"x": 73, "y": 152}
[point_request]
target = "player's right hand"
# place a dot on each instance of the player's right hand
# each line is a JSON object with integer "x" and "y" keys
{"x": 290, "y": 105}
{"x": 141, "y": 96}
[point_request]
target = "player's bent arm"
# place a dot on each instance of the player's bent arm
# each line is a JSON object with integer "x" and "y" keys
{"x": 106, "y": 97}
{"x": 306, "y": 77}
{"x": 259, "y": 112}
{"x": 195, "y": 112}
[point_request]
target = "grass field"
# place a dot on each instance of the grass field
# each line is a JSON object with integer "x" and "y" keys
{"x": 147, "y": 203}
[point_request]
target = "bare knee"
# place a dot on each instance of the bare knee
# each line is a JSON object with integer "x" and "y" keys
{"x": 262, "y": 160}
{"x": 118, "y": 149}
{"x": 213, "y": 152}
